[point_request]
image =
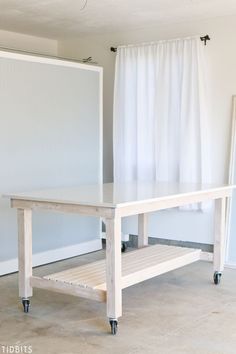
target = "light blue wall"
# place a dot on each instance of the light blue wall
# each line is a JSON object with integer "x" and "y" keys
{"x": 49, "y": 137}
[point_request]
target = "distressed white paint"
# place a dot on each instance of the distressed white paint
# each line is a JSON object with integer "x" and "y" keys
{"x": 113, "y": 201}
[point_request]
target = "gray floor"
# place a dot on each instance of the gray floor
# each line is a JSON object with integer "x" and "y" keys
{"x": 181, "y": 312}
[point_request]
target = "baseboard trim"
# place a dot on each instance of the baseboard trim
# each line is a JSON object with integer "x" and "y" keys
{"x": 133, "y": 242}
{"x": 230, "y": 265}
{"x": 54, "y": 255}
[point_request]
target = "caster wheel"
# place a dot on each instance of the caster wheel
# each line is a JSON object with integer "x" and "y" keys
{"x": 114, "y": 325}
{"x": 26, "y": 305}
{"x": 123, "y": 247}
{"x": 217, "y": 277}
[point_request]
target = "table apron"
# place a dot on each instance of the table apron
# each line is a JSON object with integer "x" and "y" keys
{"x": 122, "y": 210}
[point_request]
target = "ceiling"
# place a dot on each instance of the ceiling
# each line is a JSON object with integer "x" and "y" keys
{"x": 67, "y": 18}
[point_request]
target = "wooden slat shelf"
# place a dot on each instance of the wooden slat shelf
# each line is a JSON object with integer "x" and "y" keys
{"x": 137, "y": 266}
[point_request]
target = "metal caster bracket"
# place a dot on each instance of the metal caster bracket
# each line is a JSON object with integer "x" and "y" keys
{"x": 217, "y": 277}
{"x": 123, "y": 247}
{"x": 26, "y": 305}
{"x": 114, "y": 326}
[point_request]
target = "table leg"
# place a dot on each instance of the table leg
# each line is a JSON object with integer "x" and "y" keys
{"x": 219, "y": 242}
{"x": 142, "y": 230}
{"x": 113, "y": 270}
{"x": 25, "y": 255}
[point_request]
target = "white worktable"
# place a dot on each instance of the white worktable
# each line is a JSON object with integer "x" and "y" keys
{"x": 104, "y": 280}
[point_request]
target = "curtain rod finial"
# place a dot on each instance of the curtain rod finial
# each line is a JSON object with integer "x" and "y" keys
{"x": 205, "y": 38}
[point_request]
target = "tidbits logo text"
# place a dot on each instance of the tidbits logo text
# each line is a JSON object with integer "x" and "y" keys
{"x": 19, "y": 349}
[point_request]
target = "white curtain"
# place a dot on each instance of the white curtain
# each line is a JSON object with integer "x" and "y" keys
{"x": 160, "y": 113}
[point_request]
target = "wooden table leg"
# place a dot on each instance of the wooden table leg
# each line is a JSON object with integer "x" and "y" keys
{"x": 113, "y": 269}
{"x": 219, "y": 241}
{"x": 142, "y": 230}
{"x": 25, "y": 255}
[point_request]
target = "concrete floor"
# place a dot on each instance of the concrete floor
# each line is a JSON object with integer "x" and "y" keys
{"x": 181, "y": 312}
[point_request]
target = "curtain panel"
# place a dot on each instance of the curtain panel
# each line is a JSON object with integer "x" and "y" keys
{"x": 160, "y": 113}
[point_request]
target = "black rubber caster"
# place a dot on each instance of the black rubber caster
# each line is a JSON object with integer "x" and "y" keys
{"x": 123, "y": 247}
{"x": 217, "y": 277}
{"x": 114, "y": 326}
{"x": 26, "y": 305}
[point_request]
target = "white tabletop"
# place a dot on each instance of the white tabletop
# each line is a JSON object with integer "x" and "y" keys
{"x": 115, "y": 195}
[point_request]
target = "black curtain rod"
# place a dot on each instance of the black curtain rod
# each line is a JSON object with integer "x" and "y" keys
{"x": 203, "y": 38}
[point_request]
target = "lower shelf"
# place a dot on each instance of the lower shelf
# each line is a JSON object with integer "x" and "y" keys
{"x": 90, "y": 280}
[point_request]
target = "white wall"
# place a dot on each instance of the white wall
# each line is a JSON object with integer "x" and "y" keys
{"x": 221, "y": 54}
{"x": 25, "y": 42}
{"x": 101, "y": 54}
